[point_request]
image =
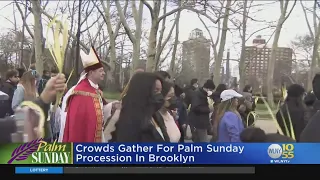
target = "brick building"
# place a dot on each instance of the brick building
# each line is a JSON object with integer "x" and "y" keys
{"x": 195, "y": 57}
{"x": 257, "y": 58}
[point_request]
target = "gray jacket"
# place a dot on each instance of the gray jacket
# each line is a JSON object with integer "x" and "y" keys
{"x": 18, "y": 97}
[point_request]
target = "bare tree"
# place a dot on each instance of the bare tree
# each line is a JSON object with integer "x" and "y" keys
{"x": 221, "y": 36}
{"x": 303, "y": 45}
{"x": 156, "y": 19}
{"x": 38, "y": 35}
{"x": 24, "y": 14}
{"x": 112, "y": 33}
{"x": 283, "y": 17}
{"x": 175, "y": 45}
{"x": 136, "y": 37}
{"x": 241, "y": 26}
{"x": 160, "y": 43}
{"x": 315, "y": 35}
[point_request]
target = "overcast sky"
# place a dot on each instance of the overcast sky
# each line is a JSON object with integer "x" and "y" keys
{"x": 295, "y": 24}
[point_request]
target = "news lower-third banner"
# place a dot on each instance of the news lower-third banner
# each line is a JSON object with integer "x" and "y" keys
{"x": 41, "y": 152}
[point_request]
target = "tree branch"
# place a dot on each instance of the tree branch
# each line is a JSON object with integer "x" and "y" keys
{"x": 286, "y": 17}
{"x": 88, "y": 27}
{"x": 24, "y": 20}
{"x": 149, "y": 7}
{"x": 268, "y": 27}
{"x": 124, "y": 22}
{"x": 307, "y": 20}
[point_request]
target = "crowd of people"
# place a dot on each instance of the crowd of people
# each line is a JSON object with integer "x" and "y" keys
{"x": 152, "y": 108}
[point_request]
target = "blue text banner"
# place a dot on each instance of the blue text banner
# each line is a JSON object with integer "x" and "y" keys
{"x": 196, "y": 153}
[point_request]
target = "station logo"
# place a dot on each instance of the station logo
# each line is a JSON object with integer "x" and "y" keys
{"x": 281, "y": 153}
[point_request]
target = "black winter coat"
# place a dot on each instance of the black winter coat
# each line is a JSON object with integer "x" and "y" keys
{"x": 199, "y": 111}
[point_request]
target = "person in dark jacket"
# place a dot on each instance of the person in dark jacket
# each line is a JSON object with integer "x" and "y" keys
{"x": 189, "y": 91}
{"x": 311, "y": 132}
{"x": 309, "y": 100}
{"x": 8, "y": 87}
{"x": 182, "y": 111}
{"x": 293, "y": 109}
{"x": 138, "y": 119}
{"x": 42, "y": 83}
{"x": 199, "y": 112}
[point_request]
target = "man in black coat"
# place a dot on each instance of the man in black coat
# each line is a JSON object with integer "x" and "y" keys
{"x": 311, "y": 132}
{"x": 199, "y": 112}
{"x": 8, "y": 87}
{"x": 189, "y": 91}
{"x": 292, "y": 112}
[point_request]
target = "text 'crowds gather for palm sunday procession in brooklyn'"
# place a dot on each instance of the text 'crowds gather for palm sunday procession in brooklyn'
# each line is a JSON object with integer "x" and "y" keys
{"x": 74, "y": 86}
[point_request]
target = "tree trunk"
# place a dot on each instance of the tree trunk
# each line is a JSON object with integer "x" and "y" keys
{"x": 137, "y": 34}
{"x": 314, "y": 62}
{"x": 151, "y": 61}
{"x": 135, "y": 39}
{"x": 38, "y": 36}
{"x": 218, "y": 60}
{"x": 175, "y": 46}
{"x": 113, "y": 56}
{"x": 242, "y": 65}
{"x": 272, "y": 60}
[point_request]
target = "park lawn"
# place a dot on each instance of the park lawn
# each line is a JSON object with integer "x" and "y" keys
{"x": 262, "y": 107}
{"x": 263, "y": 112}
{"x": 111, "y": 95}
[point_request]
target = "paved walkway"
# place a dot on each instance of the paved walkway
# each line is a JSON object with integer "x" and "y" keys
{"x": 267, "y": 125}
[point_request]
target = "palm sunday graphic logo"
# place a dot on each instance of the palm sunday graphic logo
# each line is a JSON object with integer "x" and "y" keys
{"x": 42, "y": 152}
{"x": 23, "y": 151}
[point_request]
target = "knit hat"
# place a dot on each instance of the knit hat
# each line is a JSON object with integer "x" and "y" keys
{"x": 209, "y": 84}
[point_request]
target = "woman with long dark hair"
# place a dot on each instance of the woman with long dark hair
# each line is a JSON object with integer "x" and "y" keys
{"x": 216, "y": 94}
{"x": 228, "y": 124}
{"x": 292, "y": 112}
{"x": 169, "y": 112}
{"x": 138, "y": 120}
{"x": 216, "y": 99}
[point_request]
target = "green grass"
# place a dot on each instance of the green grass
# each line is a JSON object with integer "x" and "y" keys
{"x": 262, "y": 107}
{"x": 263, "y": 112}
{"x": 111, "y": 95}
